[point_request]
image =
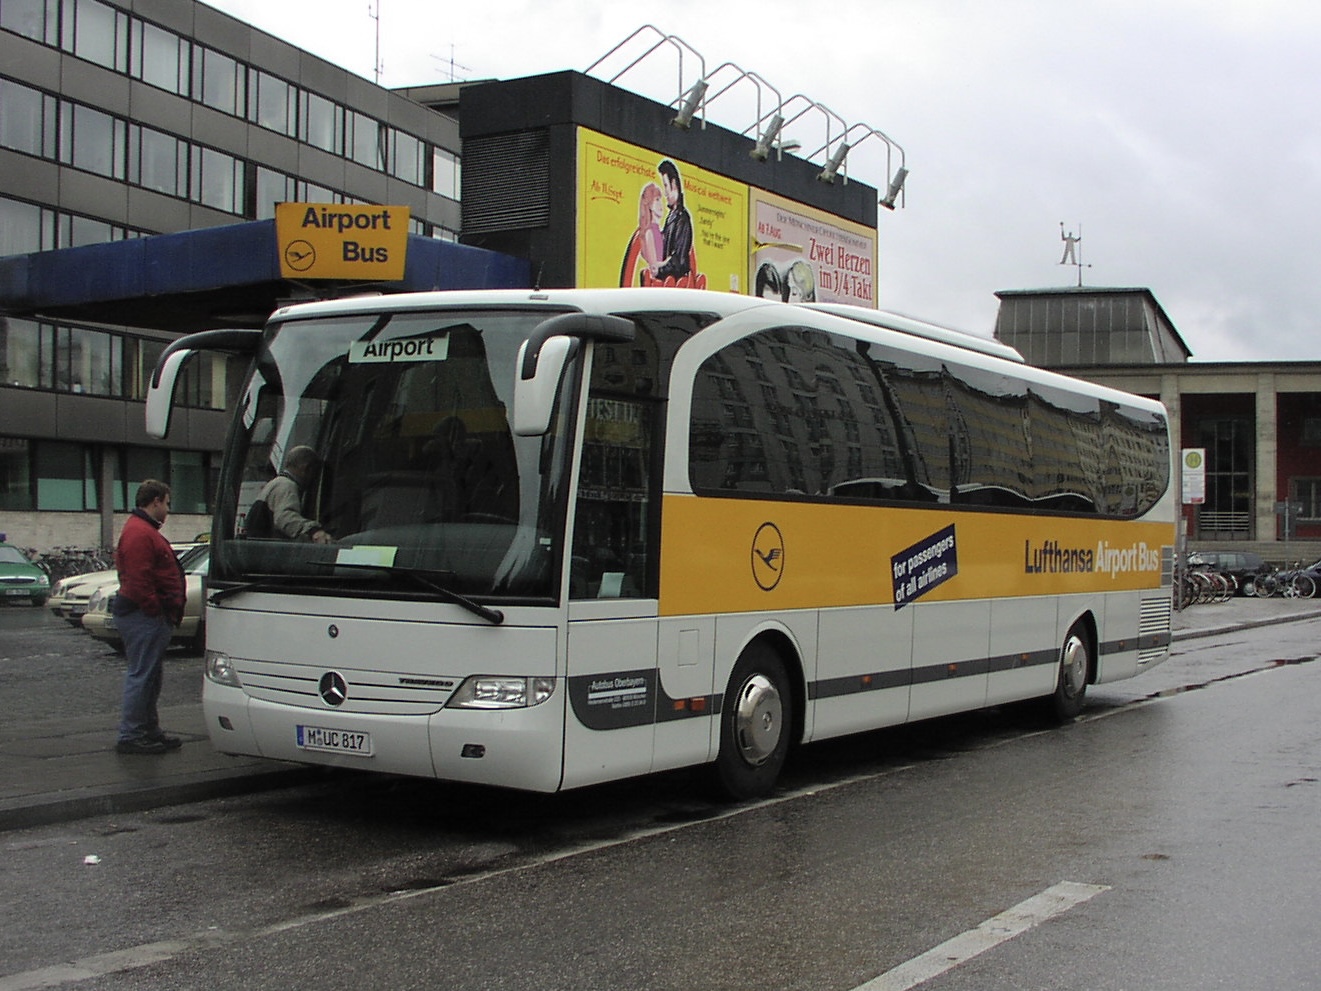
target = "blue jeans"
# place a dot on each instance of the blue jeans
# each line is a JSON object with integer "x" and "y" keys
{"x": 145, "y": 640}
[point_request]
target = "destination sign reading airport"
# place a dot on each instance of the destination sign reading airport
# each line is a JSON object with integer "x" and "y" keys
{"x": 341, "y": 241}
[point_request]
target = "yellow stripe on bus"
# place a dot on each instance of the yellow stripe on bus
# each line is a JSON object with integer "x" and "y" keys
{"x": 742, "y": 555}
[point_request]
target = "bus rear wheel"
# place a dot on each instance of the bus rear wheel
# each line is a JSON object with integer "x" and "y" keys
{"x": 1074, "y": 669}
{"x": 755, "y": 725}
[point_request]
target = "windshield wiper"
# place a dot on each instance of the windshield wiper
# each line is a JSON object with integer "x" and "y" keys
{"x": 493, "y": 616}
{"x": 259, "y": 583}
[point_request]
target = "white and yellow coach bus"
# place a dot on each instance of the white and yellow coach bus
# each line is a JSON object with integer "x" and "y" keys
{"x": 580, "y": 535}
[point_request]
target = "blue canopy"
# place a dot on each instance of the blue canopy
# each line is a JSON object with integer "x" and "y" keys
{"x": 215, "y": 277}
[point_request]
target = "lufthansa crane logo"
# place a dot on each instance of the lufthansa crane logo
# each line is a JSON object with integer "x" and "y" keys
{"x": 767, "y": 556}
{"x": 299, "y": 255}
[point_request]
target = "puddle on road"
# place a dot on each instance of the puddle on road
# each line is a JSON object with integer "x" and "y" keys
{"x": 1196, "y": 686}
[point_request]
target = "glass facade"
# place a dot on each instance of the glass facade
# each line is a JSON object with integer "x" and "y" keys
{"x": 64, "y": 476}
{"x": 219, "y": 81}
{"x": 160, "y": 58}
{"x": 72, "y": 133}
{"x": 35, "y": 19}
{"x": 74, "y": 127}
{"x": 1072, "y": 328}
{"x": 1230, "y": 471}
{"x": 27, "y": 119}
{"x": 94, "y": 31}
{"x": 87, "y": 361}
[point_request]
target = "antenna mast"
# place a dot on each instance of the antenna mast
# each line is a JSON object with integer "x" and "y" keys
{"x": 375, "y": 14}
{"x": 453, "y": 77}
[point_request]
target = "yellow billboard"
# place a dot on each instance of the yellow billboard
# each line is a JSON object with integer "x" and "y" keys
{"x": 802, "y": 254}
{"x": 341, "y": 241}
{"x": 647, "y": 220}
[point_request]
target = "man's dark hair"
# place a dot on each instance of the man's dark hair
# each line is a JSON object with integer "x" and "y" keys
{"x": 149, "y": 491}
{"x": 671, "y": 171}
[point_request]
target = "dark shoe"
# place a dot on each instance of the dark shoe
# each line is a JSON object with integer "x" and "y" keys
{"x": 160, "y": 736}
{"x": 140, "y": 746}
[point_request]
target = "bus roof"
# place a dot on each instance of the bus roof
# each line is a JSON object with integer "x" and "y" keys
{"x": 919, "y": 328}
{"x": 636, "y": 298}
{"x": 587, "y": 300}
{"x": 721, "y": 305}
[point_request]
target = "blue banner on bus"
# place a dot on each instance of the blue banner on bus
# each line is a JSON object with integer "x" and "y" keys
{"x": 923, "y": 566}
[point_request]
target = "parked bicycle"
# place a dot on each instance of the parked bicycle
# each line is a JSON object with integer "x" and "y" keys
{"x": 1291, "y": 583}
{"x": 1196, "y": 583}
{"x": 64, "y": 562}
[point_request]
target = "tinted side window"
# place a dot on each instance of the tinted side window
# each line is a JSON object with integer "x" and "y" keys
{"x": 1068, "y": 450}
{"x": 805, "y": 413}
{"x": 792, "y": 412}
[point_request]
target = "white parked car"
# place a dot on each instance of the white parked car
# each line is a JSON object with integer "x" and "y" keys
{"x": 100, "y": 623}
{"x": 69, "y": 597}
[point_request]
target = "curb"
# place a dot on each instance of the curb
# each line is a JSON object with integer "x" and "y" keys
{"x": 83, "y": 803}
{"x": 1212, "y": 631}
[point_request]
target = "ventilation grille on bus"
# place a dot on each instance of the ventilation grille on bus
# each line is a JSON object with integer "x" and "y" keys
{"x": 393, "y": 693}
{"x": 506, "y": 182}
{"x": 1153, "y": 628}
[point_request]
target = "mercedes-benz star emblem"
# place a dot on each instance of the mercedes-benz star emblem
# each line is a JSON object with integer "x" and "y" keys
{"x": 333, "y": 689}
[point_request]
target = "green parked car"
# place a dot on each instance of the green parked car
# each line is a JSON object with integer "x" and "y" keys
{"x": 20, "y": 579}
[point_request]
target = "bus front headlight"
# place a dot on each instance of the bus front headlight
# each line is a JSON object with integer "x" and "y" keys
{"x": 220, "y": 670}
{"x": 500, "y": 692}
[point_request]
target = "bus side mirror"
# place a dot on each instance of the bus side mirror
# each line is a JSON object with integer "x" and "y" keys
{"x": 534, "y": 397}
{"x": 541, "y": 363}
{"x": 160, "y": 393}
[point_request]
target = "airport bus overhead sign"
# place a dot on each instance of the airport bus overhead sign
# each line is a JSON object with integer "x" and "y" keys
{"x": 341, "y": 241}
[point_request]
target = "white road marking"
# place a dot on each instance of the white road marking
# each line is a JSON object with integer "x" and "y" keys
{"x": 1001, "y": 928}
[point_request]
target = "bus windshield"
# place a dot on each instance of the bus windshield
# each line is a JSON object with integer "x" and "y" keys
{"x": 372, "y": 454}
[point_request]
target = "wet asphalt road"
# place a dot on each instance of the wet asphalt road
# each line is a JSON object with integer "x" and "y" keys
{"x": 1187, "y": 798}
{"x": 53, "y": 669}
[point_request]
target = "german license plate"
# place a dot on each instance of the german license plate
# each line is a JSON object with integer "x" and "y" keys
{"x": 335, "y": 741}
{"x": 16, "y": 591}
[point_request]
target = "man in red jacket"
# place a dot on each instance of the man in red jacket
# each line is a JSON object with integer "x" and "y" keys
{"x": 147, "y": 609}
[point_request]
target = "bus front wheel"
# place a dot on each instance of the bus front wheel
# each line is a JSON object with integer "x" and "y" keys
{"x": 1074, "y": 670}
{"x": 755, "y": 725}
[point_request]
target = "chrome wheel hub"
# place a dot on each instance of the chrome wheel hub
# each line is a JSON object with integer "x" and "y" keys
{"x": 758, "y": 719}
{"x": 1073, "y": 667}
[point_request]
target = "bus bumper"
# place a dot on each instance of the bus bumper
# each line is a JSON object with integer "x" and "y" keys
{"x": 515, "y": 748}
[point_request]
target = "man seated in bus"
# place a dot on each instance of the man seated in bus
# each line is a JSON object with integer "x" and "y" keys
{"x": 278, "y": 511}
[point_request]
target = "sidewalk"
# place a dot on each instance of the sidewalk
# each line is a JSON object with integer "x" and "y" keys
{"x": 1240, "y": 614}
{"x": 58, "y": 770}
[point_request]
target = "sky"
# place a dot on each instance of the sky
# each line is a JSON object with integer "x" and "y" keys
{"x": 1180, "y": 139}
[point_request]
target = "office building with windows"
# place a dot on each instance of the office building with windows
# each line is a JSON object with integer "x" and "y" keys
{"x": 124, "y": 118}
